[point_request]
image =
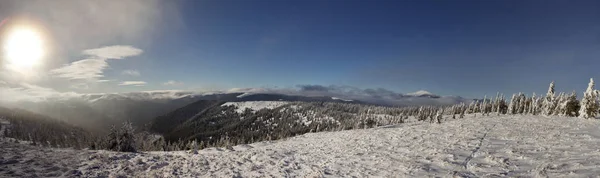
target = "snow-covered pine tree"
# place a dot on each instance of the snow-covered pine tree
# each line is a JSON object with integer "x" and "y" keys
{"x": 572, "y": 105}
{"x": 521, "y": 107}
{"x": 454, "y": 110}
{"x": 496, "y": 102}
{"x": 511, "y": 105}
{"x": 112, "y": 140}
{"x": 483, "y": 104}
{"x": 127, "y": 139}
{"x": 533, "y": 104}
{"x": 589, "y": 102}
{"x": 470, "y": 110}
{"x": 463, "y": 109}
{"x": 438, "y": 116}
{"x": 528, "y": 102}
{"x": 560, "y": 103}
{"x": 549, "y": 101}
{"x": 501, "y": 105}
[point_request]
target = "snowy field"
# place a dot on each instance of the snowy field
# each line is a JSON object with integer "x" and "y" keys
{"x": 505, "y": 146}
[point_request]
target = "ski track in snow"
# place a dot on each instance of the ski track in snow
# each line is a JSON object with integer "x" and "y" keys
{"x": 503, "y": 146}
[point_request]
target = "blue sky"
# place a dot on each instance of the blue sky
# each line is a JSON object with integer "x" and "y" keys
{"x": 466, "y": 48}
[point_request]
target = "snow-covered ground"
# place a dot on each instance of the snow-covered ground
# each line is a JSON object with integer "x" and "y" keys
{"x": 255, "y": 105}
{"x": 504, "y": 146}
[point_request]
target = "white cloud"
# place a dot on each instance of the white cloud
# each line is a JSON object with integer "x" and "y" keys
{"x": 30, "y": 92}
{"x": 134, "y": 73}
{"x": 82, "y": 86}
{"x": 92, "y": 69}
{"x": 133, "y": 83}
{"x": 86, "y": 69}
{"x": 113, "y": 52}
{"x": 172, "y": 83}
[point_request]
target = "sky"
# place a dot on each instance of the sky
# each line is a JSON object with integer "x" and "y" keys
{"x": 464, "y": 48}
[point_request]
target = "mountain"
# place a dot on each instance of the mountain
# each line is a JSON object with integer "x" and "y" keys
{"x": 42, "y": 130}
{"x": 243, "y": 121}
{"x": 98, "y": 111}
{"x": 423, "y": 93}
{"x": 169, "y": 121}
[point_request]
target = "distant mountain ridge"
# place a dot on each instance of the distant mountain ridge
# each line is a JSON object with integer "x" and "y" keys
{"x": 97, "y": 111}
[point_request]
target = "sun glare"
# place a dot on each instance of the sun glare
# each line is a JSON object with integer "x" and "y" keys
{"x": 23, "y": 48}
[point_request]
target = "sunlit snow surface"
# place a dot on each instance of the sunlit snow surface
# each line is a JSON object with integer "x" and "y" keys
{"x": 505, "y": 146}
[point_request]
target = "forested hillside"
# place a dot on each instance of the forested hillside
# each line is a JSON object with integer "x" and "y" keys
{"x": 228, "y": 122}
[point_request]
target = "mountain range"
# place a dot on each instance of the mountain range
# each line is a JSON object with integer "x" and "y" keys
{"x": 97, "y": 111}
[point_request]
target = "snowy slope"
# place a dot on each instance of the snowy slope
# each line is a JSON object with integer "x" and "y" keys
{"x": 420, "y": 93}
{"x": 505, "y": 146}
{"x": 254, "y": 105}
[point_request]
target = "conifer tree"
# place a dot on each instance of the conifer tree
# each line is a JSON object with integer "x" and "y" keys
{"x": 589, "y": 102}
{"x": 511, "y": 106}
{"x": 549, "y": 100}
{"x": 522, "y": 103}
{"x": 572, "y": 105}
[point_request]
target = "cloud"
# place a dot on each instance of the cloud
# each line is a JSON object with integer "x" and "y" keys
{"x": 133, "y": 83}
{"x": 30, "y": 92}
{"x": 82, "y": 86}
{"x": 371, "y": 95}
{"x": 86, "y": 69}
{"x": 113, "y": 52}
{"x": 313, "y": 88}
{"x": 92, "y": 69}
{"x": 134, "y": 73}
{"x": 172, "y": 83}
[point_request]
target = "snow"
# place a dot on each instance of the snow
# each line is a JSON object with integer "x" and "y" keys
{"x": 244, "y": 95}
{"x": 336, "y": 98}
{"x": 420, "y": 93}
{"x": 255, "y": 105}
{"x": 498, "y": 146}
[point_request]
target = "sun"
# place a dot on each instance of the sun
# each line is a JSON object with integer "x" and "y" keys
{"x": 23, "y": 48}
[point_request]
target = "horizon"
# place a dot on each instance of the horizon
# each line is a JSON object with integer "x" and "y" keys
{"x": 467, "y": 48}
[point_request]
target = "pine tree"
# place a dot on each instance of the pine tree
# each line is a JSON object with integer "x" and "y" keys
{"x": 589, "y": 102}
{"x": 471, "y": 108}
{"x": 533, "y": 105}
{"x": 549, "y": 100}
{"x": 511, "y": 106}
{"x": 463, "y": 109}
{"x": 112, "y": 140}
{"x": 560, "y": 103}
{"x": 127, "y": 139}
{"x": 501, "y": 105}
{"x": 522, "y": 103}
{"x": 438, "y": 116}
{"x": 482, "y": 107}
{"x": 496, "y": 102}
{"x": 572, "y": 105}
